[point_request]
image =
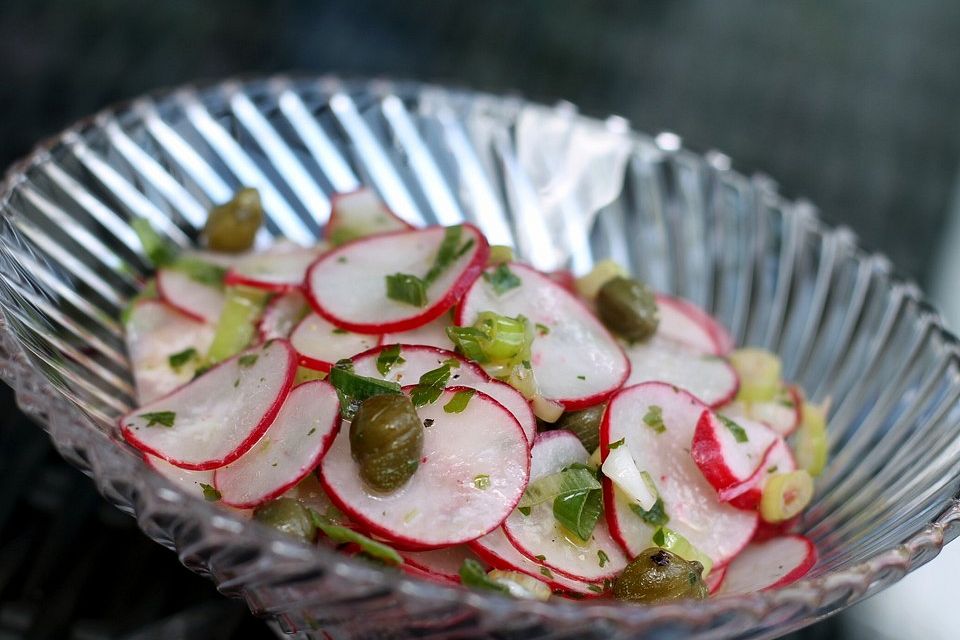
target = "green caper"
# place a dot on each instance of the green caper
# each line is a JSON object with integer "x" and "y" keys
{"x": 584, "y": 424}
{"x": 628, "y": 308}
{"x": 386, "y": 439}
{"x": 288, "y": 516}
{"x": 657, "y": 575}
{"x": 232, "y": 226}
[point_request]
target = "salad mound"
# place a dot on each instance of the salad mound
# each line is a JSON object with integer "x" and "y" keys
{"x": 431, "y": 403}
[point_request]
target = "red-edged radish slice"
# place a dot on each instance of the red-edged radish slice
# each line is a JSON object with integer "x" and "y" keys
{"x": 289, "y": 450}
{"x": 215, "y": 419}
{"x": 195, "y": 299}
{"x": 779, "y": 459}
{"x": 441, "y": 563}
{"x": 320, "y": 344}
{"x": 767, "y": 531}
{"x": 715, "y": 579}
{"x": 360, "y": 213}
{"x": 538, "y": 534}
{"x": 189, "y": 481}
{"x": 497, "y": 551}
{"x": 279, "y": 270}
{"x": 281, "y": 315}
{"x": 432, "y": 334}
{"x": 576, "y": 361}
{"x": 685, "y": 322}
{"x": 418, "y": 359}
{"x": 154, "y": 332}
{"x": 730, "y": 452}
{"x": 564, "y": 278}
{"x": 656, "y": 422}
{"x": 769, "y": 565}
{"x": 348, "y": 286}
{"x": 783, "y": 414}
{"x": 709, "y": 378}
{"x": 474, "y": 469}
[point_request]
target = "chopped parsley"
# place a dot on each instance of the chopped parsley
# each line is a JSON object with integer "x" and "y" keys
{"x": 431, "y": 385}
{"x": 541, "y": 558}
{"x": 581, "y": 377}
{"x": 655, "y": 517}
{"x": 338, "y": 331}
{"x": 388, "y": 357}
{"x": 542, "y": 329}
{"x": 578, "y": 512}
{"x": 619, "y": 443}
{"x": 772, "y": 469}
{"x": 164, "y": 418}
{"x": 545, "y": 571}
{"x": 181, "y": 358}
{"x": 595, "y": 588}
{"x": 248, "y": 360}
{"x": 603, "y": 557}
{"x": 481, "y": 481}
{"x": 738, "y": 433}
{"x": 200, "y": 271}
{"x": 459, "y": 401}
{"x": 353, "y": 389}
{"x": 408, "y": 289}
{"x": 210, "y": 494}
{"x": 473, "y": 576}
{"x": 370, "y": 548}
{"x": 524, "y": 510}
{"x": 312, "y": 431}
{"x": 502, "y": 279}
{"x": 654, "y": 419}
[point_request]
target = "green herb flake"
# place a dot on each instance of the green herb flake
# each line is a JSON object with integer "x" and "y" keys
{"x": 542, "y": 329}
{"x": 342, "y": 259}
{"x": 738, "y": 433}
{"x": 459, "y": 401}
{"x": 619, "y": 443}
{"x": 502, "y": 279}
{"x": 772, "y": 469}
{"x": 247, "y": 360}
{"x": 236, "y": 383}
{"x": 595, "y": 588}
{"x": 371, "y": 548}
{"x": 654, "y": 419}
{"x": 787, "y": 402}
{"x": 339, "y": 332}
{"x": 163, "y": 418}
{"x": 578, "y": 512}
{"x": 546, "y": 572}
{"x": 655, "y": 517}
{"x": 602, "y": 557}
{"x": 177, "y": 360}
{"x": 408, "y": 289}
{"x": 210, "y": 494}
{"x": 581, "y": 377}
{"x": 481, "y": 481}
{"x": 312, "y": 431}
{"x": 472, "y": 575}
{"x": 659, "y": 537}
{"x": 541, "y": 558}
{"x": 430, "y": 386}
{"x": 353, "y": 389}
{"x": 450, "y": 250}
{"x": 524, "y": 510}
{"x": 389, "y": 356}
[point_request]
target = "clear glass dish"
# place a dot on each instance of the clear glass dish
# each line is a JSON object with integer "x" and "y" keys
{"x": 566, "y": 190}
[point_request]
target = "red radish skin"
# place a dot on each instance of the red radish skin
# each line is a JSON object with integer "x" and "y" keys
{"x": 347, "y": 285}
{"x": 343, "y": 207}
{"x": 441, "y": 504}
{"x": 779, "y": 459}
{"x": 537, "y": 534}
{"x": 281, "y": 315}
{"x": 154, "y": 332}
{"x": 724, "y": 461}
{"x": 715, "y": 528}
{"x": 432, "y": 334}
{"x": 217, "y": 421}
{"x": 278, "y": 271}
{"x": 685, "y": 322}
{"x": 194, "y": 299}
{"x": 766, "y": 531}
{"x": 564, "y": 278}
{"x": 769, "y": 565}
{"x": 577, "y": 363}
{"x": 289, "y": 450}
{"x": 441, "y": 563}
{"x": 419, "y": 359}
{"x": 321, "y": 344}
{"x": 709, "y": 378}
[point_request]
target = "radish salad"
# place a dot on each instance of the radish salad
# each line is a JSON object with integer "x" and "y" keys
{"x": 427, "y": 401}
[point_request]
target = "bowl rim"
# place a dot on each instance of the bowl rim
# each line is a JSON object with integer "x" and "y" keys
{"x": 879, "y": 570}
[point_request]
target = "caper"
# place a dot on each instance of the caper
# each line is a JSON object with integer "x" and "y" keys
{"x": 585, "y": 425}
{"x": 657, "y": 575}
{"x": 628, "y": 308}
{"x": 288, "y": 516}
{"x": 386, "y": 439}
{"x": 232, "y": 226}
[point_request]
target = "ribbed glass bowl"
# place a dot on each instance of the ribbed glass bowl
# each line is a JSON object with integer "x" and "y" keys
{"x": 565, "y": 190}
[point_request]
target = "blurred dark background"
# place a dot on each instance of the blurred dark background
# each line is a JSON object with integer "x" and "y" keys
{"x": 852, "y": 104}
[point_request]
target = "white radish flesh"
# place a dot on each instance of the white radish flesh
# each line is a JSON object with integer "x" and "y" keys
{"x": 216, "y": 418}
{"x": 769, "y": 565}
{"x": 730, "y": 452}
{"x": 620, "y": 467}
{"x": 320, "y": 343}
{"x": 575, "y": 360}
{"x": 274, "y": 270}
{"x": 198, "y": 300}
{"x": 432, "y": 334}
{"x": 710, "y": 378}
{"x": 473, "y": 470}
{"x": 685, "y": 322}
{"x": 779, "y": 459}
{"x": 417, "y": 360}
{"x": 539, "y": 534}
{"x": 281, "y": 315}
{"x": 360, "y": 213}
{"x": 348, "y": 285}
{"x": 154, "y": 332}
{"x": 657, "y": 423}
{"x": 289, "y": 450}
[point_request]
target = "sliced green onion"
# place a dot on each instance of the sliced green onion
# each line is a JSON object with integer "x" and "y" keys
{"x": 237, "y": 323}
{"x": 408, "y": 289}
{"x": 353, "y": 389}
{"x": 159, "y": 251}
{"x": 472, "y": 575}
{"x": 547, "y": 410}
{"x": 785, "y": 495}
{"x": 523, "y": 380}
{"x": 505, "y": 338}
{"x": 812, "y": 446}
{"x": 579, "y": 512}
{"x": 500, "y": 254}
{"x": 555, "y": 485}
{"x": 759, "y": 372}
{"x": 672, "y": 541}
{"x": 520, "y": 585}
{"x": 210, "y": 494}
{"x": 340, "y": 535}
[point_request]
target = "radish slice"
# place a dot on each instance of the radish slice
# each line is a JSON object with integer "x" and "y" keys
{"x": 443, "y": 503}
{"x": 289, "y": 450}
{"x": 685, "y": 322}
{"x": 347, "y": 286}
{"x": 281, "y": 315}
{"x": 432, "y": 334}
{"x": 783, "y": 414}
{"x": 154, "y": 332}
{"x": 417, "y": 360}
{"x": 496, "y": 550}
{"x": 195, "y": 299}
{"x": 189, "y": 481}
{"x": 441, "y": 563}
{"x": 275, "y": 269}
{"x": 769, "y": 565}
{"x": 729, "y": 452}
{"x": 779, "y": 459}
{"x": 216, "y": 418}
{"x": 709, "y": 378}
{"x": 360, "y": 213}
{"x": 715, "y": 580}
{"x": 320, "y": 344}
{"x": 538, "y": 534}
{"x": 716, "y": 529}
{"x": 576, "y": 362}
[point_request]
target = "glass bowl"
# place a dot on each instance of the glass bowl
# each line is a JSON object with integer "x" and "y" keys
{"x": 565, "y": 190}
